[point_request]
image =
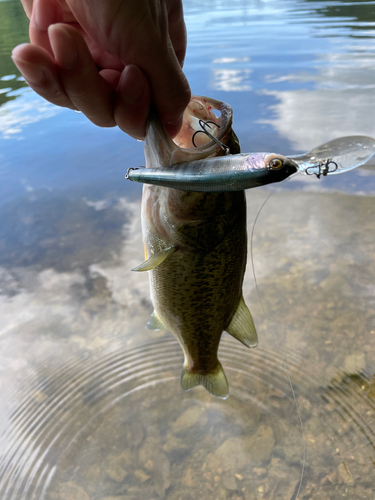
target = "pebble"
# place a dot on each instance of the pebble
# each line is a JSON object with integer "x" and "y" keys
{"x": 355, "y": 363}
{"x": 345, "y": 474}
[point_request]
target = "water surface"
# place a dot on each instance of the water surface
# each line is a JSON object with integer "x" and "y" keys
{"x": 91, "y": 403}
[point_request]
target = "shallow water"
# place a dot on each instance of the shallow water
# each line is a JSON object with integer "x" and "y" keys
{"x": 91, "y": 403}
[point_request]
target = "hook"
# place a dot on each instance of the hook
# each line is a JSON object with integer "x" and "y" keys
{"x": 203, "y": 124}
{"x": 323, "y": 168}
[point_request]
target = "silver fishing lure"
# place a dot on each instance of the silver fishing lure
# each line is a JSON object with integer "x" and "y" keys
{"x": 248, "y": 170}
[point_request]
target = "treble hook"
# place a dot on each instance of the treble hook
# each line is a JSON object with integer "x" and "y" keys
{"x": 203, "y": 124}
{"x": 323, "y": 168}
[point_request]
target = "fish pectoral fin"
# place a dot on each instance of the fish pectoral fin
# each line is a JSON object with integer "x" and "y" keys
{"x": 156, "y": 259}
{"x": 155, "y": 323}
{"x": 216, "y": 382}
{"x": 242, "y": 327}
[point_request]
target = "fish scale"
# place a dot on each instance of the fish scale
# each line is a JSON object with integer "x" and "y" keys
{"x": 195, "y": 295}
{"x": 196, "y": 249}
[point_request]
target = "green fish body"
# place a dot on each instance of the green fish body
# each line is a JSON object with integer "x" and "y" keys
{"x": 196, "y": 248}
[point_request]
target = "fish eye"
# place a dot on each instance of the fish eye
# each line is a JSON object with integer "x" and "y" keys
{"x": 276, "y": 163}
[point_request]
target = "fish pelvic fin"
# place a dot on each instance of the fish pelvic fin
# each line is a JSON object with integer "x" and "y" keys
{"x": 155, "y": 323}
{"x": 156, "y": 259}
{"x": 242, "y": 327}
{"x": 215, "y": 383}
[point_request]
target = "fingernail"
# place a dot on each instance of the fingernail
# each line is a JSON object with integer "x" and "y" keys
{"x": 33, "y": 74}
{"x": 63, "y": 47}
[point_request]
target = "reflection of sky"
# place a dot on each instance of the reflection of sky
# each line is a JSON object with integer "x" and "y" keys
{"x": 43, "y": 146}
{"x": 337, "y": 100}
{"x": 70, "y": 229}
{"x": 27, "y": 108}
{"x": 292, "y": 85}
{"x": 231, "y": 80}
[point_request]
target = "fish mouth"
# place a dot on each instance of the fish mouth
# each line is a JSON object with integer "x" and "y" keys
{"x": 192, "y": 143}
{"x": 198, "y": 119}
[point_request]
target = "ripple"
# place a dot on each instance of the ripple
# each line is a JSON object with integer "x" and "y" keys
{"x": 58, "y": 421}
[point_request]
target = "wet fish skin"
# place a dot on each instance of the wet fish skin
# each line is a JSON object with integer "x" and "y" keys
{"x": 196, "y": 247}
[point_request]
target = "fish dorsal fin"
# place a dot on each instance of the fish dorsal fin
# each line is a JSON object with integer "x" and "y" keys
{"x": 215, "y": 383}
{"x": 242, "y": 327}
{"x": 156, "y": 259}
{"x": 155, "y": 323}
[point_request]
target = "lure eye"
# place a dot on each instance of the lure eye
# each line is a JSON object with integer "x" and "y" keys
{"x": 275, "y": 164}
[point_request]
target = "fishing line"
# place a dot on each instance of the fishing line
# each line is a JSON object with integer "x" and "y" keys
{"x": 295, "y": 496}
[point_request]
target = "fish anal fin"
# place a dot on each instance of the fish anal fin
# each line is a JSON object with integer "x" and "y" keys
{"x": 156, "y": 259}
{"x": 215, "y": 383}
{"x": 242, "y": 325}
{"x": 155, "y": 323}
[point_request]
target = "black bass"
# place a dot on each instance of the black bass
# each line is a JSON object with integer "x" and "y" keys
{"x": 196, "y": 248}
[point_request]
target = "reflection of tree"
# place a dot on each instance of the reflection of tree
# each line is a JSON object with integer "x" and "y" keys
{"x": 13, "y": 31}
{"x": 360, "y": 15}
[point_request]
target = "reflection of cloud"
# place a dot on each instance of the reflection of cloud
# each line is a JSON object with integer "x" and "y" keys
{"x": 311, "y": 117}
{"x": 6, "y": 78}
{"x": 127, "y": 288}
{"x": 231, "y": 79}
{"x": 27, "y": 108}
{"x": 342, "y": 102}
{"x": 48, "y": 300}
{"x": 227, "y": 60}
{"x": 97, "y": 205}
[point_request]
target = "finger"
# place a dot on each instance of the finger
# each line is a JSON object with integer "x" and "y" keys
{"x": 44, "y": 13}
{"x": 40, "y": 72}
{"x": 28, "y": 7}
{"x": 48, "y": 12}
{"x": 170, "y": 93}
{"x": 170, "y": 88}
{"x": 177, "y": 30}
{"x": 87, "y": 90}
{"x": 133, "y": 100}
{"x": 102, "y": 58}
{"x": 111, "y": 76}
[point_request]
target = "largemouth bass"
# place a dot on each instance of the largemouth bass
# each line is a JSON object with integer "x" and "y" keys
{"x": 196, "y": 247}
{"x": 194, "y": 228}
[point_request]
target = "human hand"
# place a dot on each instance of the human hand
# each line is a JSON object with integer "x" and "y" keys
{"x": 108, "y": 59}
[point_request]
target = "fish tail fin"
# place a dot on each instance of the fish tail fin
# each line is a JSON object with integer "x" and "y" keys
{"x": 215, "y": 383}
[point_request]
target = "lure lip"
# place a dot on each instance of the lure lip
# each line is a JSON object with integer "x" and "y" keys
{"x": 331, "y": 158}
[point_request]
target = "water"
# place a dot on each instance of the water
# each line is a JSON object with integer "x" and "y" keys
{"x": 91, "y": 405}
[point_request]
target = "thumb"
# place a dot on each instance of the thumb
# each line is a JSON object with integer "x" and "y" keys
{"x": 170, "y": 93}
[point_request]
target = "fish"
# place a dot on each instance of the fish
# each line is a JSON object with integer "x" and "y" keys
{"x": 195, "y": 246}
{"x": 194, "y": 228}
